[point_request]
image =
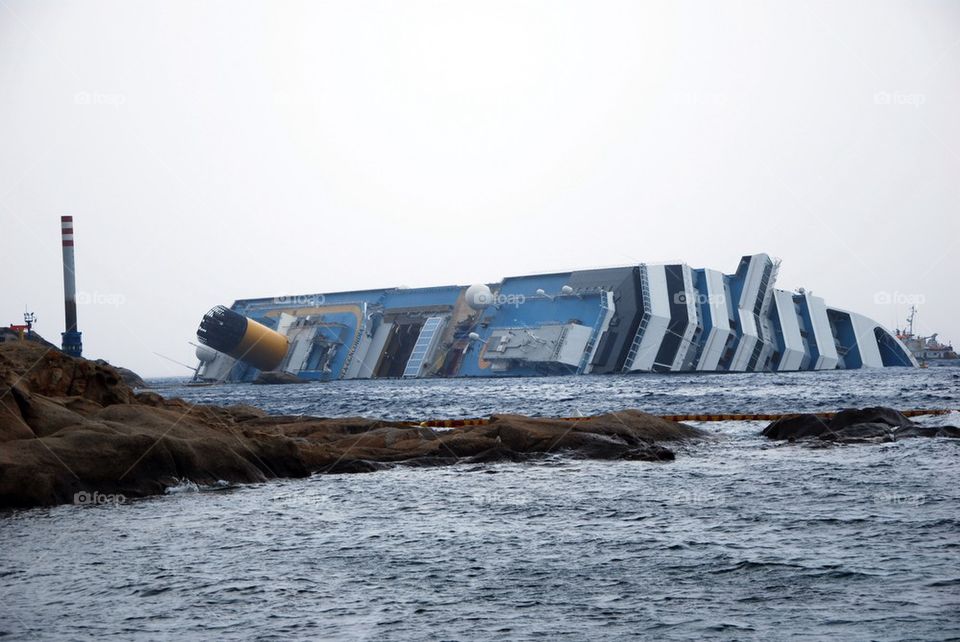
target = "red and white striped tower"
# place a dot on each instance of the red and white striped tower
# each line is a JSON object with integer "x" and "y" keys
{"x": 71, "y": 343}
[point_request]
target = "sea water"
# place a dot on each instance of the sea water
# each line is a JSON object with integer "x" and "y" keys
{"x": 739, "y": 538}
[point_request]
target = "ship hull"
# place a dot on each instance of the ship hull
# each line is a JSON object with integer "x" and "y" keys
{"x": 644, "y": 318}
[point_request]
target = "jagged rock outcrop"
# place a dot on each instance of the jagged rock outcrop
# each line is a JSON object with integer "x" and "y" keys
{"x": 853, "y": 425}
{"x": 71, "y": 426}
{"x": 129, "y": 377}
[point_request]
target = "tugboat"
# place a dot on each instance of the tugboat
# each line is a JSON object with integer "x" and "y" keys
{"x": 925, "y": 349}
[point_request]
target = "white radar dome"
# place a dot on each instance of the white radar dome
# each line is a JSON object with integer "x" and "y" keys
{"x": 206, "y": 354}
{"x": 479, "y": 296}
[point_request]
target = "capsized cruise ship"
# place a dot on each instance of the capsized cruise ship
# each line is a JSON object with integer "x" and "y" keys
{"x": 641, "y": 318}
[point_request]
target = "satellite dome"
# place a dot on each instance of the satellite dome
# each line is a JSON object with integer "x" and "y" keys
{"x": 479, "y": 296}
{"x": 206, "y": 354}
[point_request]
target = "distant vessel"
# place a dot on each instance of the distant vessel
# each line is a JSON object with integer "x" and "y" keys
{"x": 924, "y": 349}
{"x": 640, "y": 318}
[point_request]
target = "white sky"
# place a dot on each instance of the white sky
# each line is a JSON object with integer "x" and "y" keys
{"x": 223, "y": 150}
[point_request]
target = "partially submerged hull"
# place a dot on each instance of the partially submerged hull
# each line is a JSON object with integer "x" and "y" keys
{"x": 643, "y": 318}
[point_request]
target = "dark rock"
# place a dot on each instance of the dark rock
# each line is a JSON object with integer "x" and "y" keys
{"x": 652, "y": 452}
{"x": 352, "y": 466}
{"x": 852, "y": 425}
{"x": 796, "y": 427}
{"x": 858, "y": 433}
{"x": 430, "y": 462}
{"x": 497, "y": 454}
{"x": 876, "y": 415}
{"x": 951, "y": 432}
{"x": 12, "y": 424}
{"x": 278, "y": 377}
{"x": 128, "y": 376}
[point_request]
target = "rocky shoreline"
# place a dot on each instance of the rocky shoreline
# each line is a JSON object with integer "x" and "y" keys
{"x": 72, "y": 427}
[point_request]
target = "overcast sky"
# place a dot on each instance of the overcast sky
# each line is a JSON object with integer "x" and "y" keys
{"x": 224, "y": 150}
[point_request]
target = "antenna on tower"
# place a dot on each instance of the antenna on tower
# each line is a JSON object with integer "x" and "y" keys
{"x": 29, "y": 318}
{"x": 910, "y": 317}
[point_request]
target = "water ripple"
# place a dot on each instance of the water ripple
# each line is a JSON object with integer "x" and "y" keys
{"x": 735, "y": 539}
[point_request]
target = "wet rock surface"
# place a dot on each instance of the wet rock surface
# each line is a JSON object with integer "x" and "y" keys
{"x": 129, "y": 377}
{"x": 852, "y": 425}
{"x": 70, "y": 426}
{"x": 276, "y": 377}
